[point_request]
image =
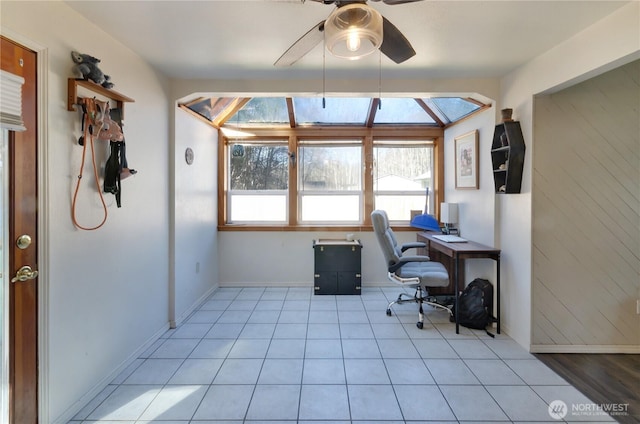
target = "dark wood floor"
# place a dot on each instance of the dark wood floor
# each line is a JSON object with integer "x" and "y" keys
{"x": 603, "y": 378}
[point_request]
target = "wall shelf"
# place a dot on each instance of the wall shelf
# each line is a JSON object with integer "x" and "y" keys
{"x": 73, "y": 99}
{"x": 507, "y": 157}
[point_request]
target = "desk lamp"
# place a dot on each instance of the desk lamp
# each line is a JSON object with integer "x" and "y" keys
{"x": 449, "y": 217}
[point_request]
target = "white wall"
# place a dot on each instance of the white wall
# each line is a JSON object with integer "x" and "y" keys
{"x": 605, "y": 45}
{"x": 286, "y": 258}
{"x": 195, "y": 214}
{"x": 107, "y": 290}
{"x": 476, "y": 208}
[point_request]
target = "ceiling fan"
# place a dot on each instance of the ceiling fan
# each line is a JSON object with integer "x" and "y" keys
{"x": 351, "y": 31}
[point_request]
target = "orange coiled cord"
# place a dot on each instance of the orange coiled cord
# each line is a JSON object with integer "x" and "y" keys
{"x": 95, "y": 172}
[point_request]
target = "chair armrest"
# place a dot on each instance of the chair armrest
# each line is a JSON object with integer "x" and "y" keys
{"x": 399, "y": 280}
{"x": 414, "y": 258}
{"x": 412, "y": 245}
{"x": 407, "y": 259}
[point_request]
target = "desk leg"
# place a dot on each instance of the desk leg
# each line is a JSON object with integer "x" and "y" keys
{"x": 498, "y": 295}
{"x": 455, "y": 285}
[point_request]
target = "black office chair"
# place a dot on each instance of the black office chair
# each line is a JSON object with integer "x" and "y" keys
{"x": 416, "y": 271}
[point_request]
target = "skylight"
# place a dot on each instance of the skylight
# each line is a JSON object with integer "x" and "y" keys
{"x": 401, "y": 110}
{"x": 331, "y": 111}
{"x": 261, "y": 110}
{"x": 336, "y": 110}
{"x": 454, "y": 108}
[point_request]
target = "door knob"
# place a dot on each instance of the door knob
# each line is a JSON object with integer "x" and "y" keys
{"x": 23, "y": 241}
{"x": 25, "y": 273}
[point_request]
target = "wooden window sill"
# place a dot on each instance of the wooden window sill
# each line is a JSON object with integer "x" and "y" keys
{"x": 309, "y": 228}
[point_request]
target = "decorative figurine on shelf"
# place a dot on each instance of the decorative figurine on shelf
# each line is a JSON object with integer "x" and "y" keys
{"x": 107, "y": 82}
{"x": 86, "y": 67}
{"x": 506, "y": 115}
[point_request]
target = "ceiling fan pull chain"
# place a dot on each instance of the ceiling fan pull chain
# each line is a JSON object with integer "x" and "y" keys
{"x": 324, "y": 77}
{"x": 379, "y": 80}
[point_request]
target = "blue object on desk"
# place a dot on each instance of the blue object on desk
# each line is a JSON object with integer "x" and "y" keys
{"x": 425, "y": 222}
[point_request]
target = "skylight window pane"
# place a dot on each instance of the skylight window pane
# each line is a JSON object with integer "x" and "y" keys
{"x": 338, "y": 110}
{"x": 401, "y": 111}
{"x": 454, "y": 108}
{"x": 262, "y": 110}
{"x": 210, "y": 107}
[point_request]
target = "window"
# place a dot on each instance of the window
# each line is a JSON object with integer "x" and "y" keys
{"x": 330, "y": 187}
{"x": 312, "y": 180}
{"x": 307, "y": 163}
{"x": 403, "y": 171}
{"x": 343, "y": 110}
{"x": 261, "y": 111}
{"x": 454, "y": 108}
{"x": 330, "y": 111}
{"x": 401, "y": 111}
{"x": 258, "y": 174}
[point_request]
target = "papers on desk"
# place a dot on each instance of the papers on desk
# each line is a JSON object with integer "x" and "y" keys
{"x": 450, "y": 239}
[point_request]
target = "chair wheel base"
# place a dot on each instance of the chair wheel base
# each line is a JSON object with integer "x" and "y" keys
{"x": 420, "y": 325}
{"x": 388, "y": 312}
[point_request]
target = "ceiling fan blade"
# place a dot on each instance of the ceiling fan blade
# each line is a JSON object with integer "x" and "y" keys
{"x": 395, "y": 45}
{"x": 303, "y": 46}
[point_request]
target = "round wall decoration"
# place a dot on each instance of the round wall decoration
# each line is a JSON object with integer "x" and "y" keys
{"x": 188, "y": 155}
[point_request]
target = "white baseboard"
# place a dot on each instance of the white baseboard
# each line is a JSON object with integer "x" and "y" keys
{"x": 236, "y": 284}
{"x": 296, "y": 284}
{"x": 73, "y": 410}
{"x": 179, "y": 320}
{"x": 585, "y": 349}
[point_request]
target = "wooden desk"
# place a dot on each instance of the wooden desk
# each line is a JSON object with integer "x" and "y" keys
{"x": 453, "y": 255}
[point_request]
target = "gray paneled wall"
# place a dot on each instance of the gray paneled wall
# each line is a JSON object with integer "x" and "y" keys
{"x": 586, "y": 215}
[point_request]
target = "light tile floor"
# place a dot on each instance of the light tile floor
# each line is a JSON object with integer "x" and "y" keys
{"x": 284, "y": 355}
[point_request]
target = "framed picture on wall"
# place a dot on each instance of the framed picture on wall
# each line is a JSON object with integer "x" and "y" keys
{"x": 466, "y": 160}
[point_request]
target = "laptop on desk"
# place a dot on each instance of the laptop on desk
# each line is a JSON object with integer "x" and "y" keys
{"x": 450, "y": 238}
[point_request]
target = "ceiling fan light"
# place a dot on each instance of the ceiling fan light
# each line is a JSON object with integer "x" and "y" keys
{"x": 353, "y": 31}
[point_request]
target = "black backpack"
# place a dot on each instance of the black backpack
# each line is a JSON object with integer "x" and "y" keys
{"x": 475, "y": 306}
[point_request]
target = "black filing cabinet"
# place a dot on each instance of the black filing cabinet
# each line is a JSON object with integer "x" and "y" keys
{"x": 337, "y": 266}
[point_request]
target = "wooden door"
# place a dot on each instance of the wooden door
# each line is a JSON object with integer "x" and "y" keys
{"x": 22, "y": 252}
